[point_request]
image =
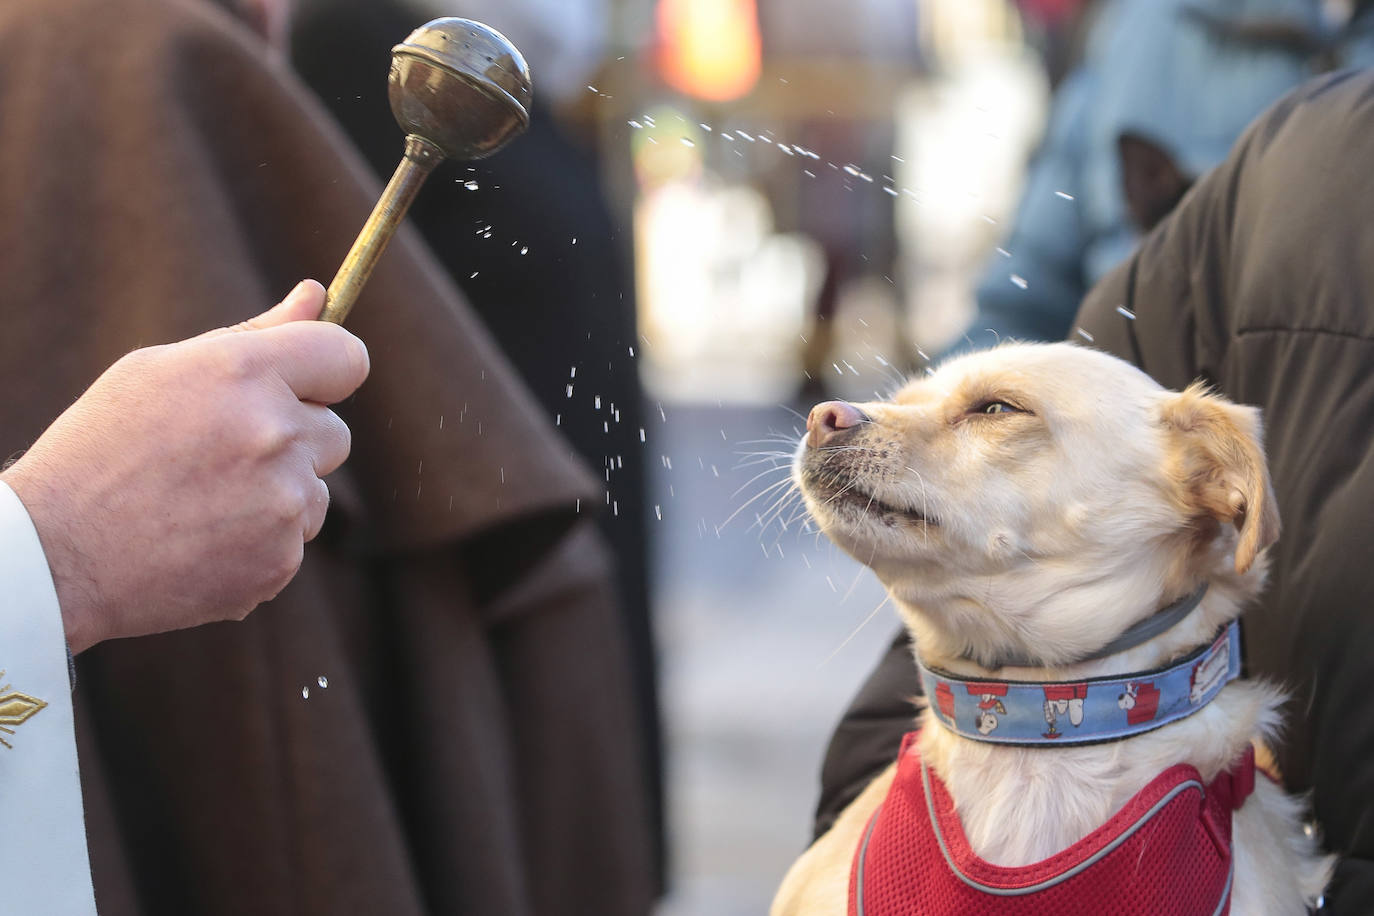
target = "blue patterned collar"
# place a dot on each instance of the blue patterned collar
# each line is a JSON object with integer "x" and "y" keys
{"x": 1085, "y": 711}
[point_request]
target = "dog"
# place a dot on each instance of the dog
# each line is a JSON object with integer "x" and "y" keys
{"x": 1065, "y": 537}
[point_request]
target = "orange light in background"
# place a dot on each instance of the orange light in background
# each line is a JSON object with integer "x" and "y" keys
{"x": 709, "y": 49}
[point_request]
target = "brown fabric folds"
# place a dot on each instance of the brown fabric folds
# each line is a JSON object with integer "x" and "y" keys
{"x": 475, "y": 749}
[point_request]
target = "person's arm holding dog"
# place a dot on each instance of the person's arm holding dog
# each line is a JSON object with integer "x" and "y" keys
{"x": 180, "y": 489}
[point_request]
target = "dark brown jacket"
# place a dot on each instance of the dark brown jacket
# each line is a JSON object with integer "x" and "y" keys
{"x": 476, "y": 749}
{"x": 1262, "y": 283}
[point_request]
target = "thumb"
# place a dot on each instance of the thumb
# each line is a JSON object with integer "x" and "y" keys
{"x": 303, "y": 303}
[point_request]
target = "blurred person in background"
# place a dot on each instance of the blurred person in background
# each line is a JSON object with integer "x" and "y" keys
{"x": 1164, "y": 88}
{"x": 1258, "y": 284}
{"x": 530, "y": 239}
{"x": 437, "y": 714}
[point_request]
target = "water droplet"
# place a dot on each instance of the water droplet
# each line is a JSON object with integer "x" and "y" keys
{"x": 322, "y": 681}
{"x": 1003, "y": 252}
{"x": 569, "y": 390}
{"x": 892, "y": 191}
{"x": 635, "y": 124}
{"x": 471, "y": 185}
{"x": 1019, "y": 281}
{"x": 1125, "y": 312}
{"x": 1085, "y": 335}
{"x": 641, "y": 434}
{"x": 1064, "y": 194}
{"x": 852, "y": 170}
{"x": 745, "y": 136}
{"x": 474, "y": 276}
{"x": 597, "y": 401}
{"x": 305, "y": 692}
{"x": 658, "y": 510}
{"x": 705, "y": 127}
{"x": 686, "y": 141}
{"x": 524, "y": 249}
{"x": 592, "y": 89}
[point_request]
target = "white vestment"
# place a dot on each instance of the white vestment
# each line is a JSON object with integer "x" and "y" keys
{"x": 44, "y": 865}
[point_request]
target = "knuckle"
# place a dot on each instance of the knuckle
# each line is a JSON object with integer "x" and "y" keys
{"x": 234, "y": 360}
{"x": 284, "y": 566}
{"x": 272, "y": 434}
{"x": 342, "y": 434}
{"x": 289, "y": 503}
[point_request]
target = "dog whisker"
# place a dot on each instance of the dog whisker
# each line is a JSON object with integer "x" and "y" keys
{"x": 786, "y": 481}
{"x": 747, "y": 483}
{"x": 857, "y": 630}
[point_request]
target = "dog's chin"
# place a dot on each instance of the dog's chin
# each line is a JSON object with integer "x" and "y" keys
{"x": 859, "y": 522}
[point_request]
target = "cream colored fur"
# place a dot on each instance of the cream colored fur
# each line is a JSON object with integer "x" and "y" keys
{"x": 1091, "y": 500}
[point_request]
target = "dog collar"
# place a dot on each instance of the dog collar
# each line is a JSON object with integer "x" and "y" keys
{"x": 1141, "y": 631}
{"x": 1085, "y": 711}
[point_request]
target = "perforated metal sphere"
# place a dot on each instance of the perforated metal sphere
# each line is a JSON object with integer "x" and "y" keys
{"x": 462, "y": 86}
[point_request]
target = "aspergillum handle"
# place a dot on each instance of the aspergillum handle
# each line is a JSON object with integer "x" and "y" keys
{"x": 421, "y": 157}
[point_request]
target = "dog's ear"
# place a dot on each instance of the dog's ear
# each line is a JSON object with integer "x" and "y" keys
{"x": 1217, "y": 462}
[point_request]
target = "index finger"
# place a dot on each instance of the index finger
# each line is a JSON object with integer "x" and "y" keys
{"x": 321, "y": 362}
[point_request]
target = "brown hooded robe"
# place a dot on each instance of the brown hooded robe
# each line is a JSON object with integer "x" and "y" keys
{"x": 475, "y": 750}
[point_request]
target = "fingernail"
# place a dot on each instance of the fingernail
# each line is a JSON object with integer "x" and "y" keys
{"x": 296, "y": 292}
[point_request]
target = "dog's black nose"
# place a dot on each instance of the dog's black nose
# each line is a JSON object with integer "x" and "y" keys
{"x": 829, "y": 420}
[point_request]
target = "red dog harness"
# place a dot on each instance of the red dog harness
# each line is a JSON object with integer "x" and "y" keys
{"x": 1167, "y": 851}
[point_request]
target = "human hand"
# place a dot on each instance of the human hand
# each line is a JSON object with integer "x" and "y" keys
{"x": 180, "y": 489}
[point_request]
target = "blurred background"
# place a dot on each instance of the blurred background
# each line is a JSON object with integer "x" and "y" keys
{"x": 728, "y": 210}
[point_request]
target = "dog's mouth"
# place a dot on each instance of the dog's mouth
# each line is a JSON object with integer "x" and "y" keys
{"x": 848, "y": 497}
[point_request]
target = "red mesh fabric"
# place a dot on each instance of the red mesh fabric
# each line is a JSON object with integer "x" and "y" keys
{"x": 1172, "y": 855}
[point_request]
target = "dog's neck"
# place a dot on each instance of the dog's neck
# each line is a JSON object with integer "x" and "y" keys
{"x": 941, "y": 626}
{"x": 1060, "y": 794}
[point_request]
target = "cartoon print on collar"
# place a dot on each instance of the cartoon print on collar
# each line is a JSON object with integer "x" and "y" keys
{"x": 1140, "y": 701}
{"x": 990, "y": 704}
{"x": 1209, "y": 671}
{"x": 1062, "y": 698}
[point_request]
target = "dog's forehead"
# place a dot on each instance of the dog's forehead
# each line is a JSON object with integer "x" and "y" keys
{"x": 1058, "y": 372}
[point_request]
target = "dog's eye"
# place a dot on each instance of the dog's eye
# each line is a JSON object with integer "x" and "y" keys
{"x": 998, "y": 407}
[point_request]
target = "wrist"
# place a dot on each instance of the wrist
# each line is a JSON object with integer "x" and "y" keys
{"x": 77, "y": 596}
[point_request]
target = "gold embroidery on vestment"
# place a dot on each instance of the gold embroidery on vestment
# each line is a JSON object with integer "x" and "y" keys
{"x": 15, "y": 710}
